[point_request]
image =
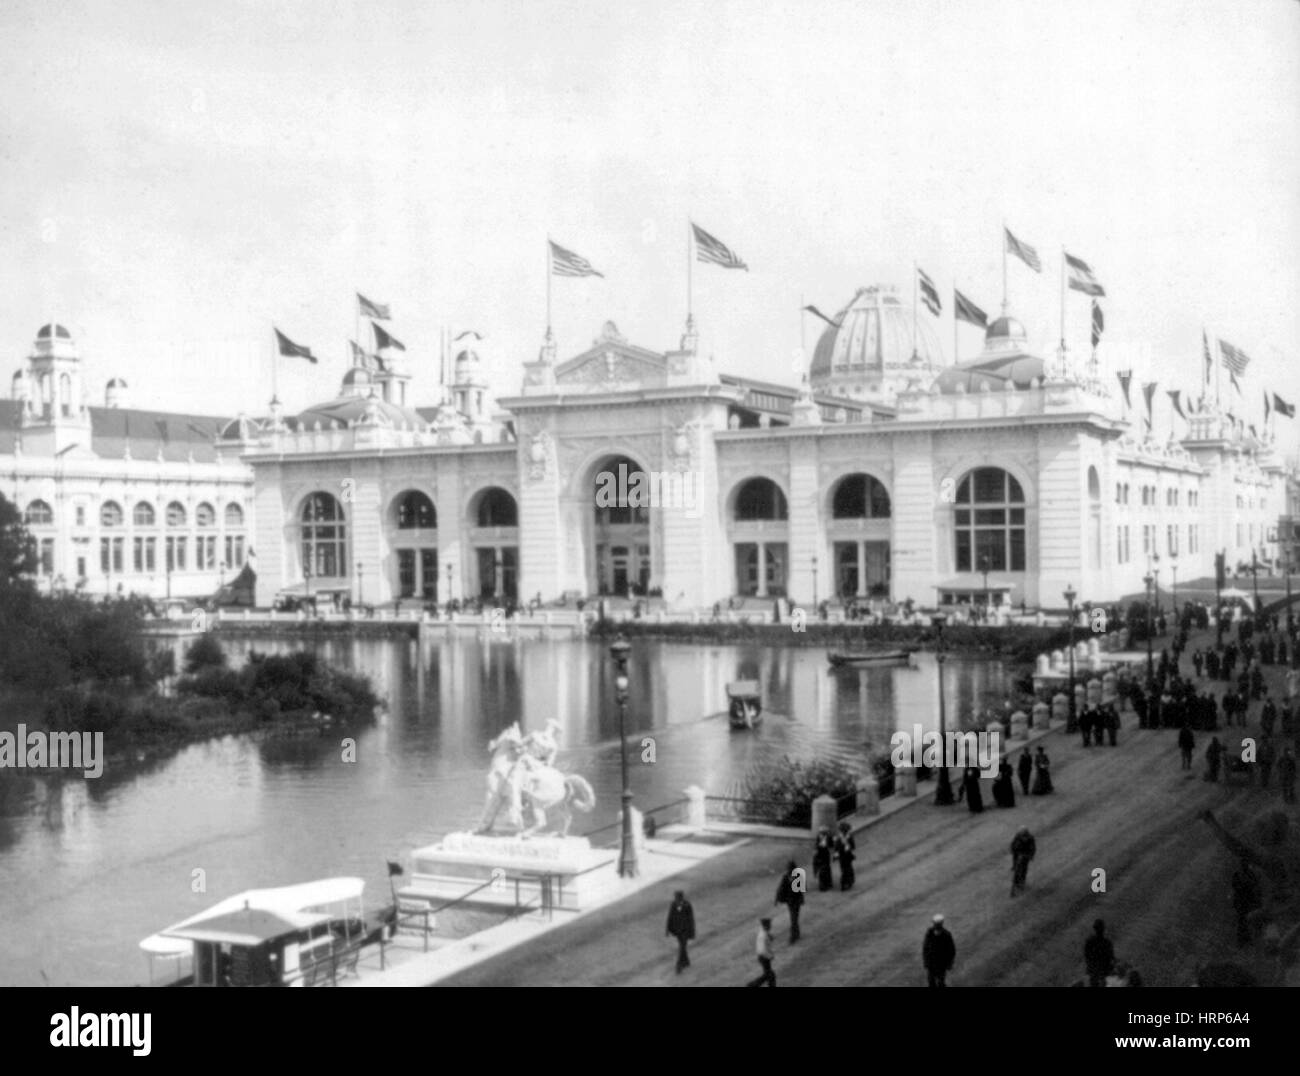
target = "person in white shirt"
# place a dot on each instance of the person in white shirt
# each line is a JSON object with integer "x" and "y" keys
{"x": 763, "y": 949}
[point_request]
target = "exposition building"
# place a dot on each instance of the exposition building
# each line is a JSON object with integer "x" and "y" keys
{"x": 887, "y": 473}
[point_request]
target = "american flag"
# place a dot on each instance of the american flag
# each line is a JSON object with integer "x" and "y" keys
{"x": 709, "y": 249}
{"x": 566, "y": 263}
{"x": 929, "y": 295}
{"x": 1023, "y": 251}
{"x": 1233, "y": 358}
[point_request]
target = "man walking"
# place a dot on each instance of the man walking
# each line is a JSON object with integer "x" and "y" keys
{"x": 1025, "y": 770}
{"x": 938, "y": 952}
{"x": 1023, "y": 849}
{"x": 1186, "y": 745}
{"x": 681, "y": 925}
{"x": 790, "y": 892}
{"x": 1098, "y": 955}
{"x": 763, "y": 949}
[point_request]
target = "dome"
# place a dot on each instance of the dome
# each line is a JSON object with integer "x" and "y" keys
{"x": 997, "y": 373}
{"x": 116, "y": 383}
{"x": 469, "y": 367}
{"x": 1006, "y": 333}
{"x": 46, "y": 331}
{"x": 874, "y": 340}
{"x": 348, "y": 409}
{"x": 358, "y": 377}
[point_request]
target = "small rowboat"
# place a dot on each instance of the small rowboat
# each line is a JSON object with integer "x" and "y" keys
{"x": 877, "y": 657}
{"x": 746, "y": 708}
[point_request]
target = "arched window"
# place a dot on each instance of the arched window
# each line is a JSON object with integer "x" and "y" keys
{"x": 760, "y": 499}
{"x": 989, "y": 521}
{"x": 176, "y": 514}
{"x": 496, "y": 508}
{"x": 324, "y": 536}
{"x": 65, "y": 393}
{"x": 205, "y": 517}
{"x": 110, "y": 515}
{"x": 860, "y": 496}
{"x": 39, "y": 514}
{"x": 143, "y": 515}
{"x": 622, "y": 493}
{"x": 234, "y": 516}
{"x": 415, "y": 511}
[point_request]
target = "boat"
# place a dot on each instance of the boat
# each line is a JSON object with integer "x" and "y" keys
{"x": 875, "y": 657}
{"x": 746, "y": 707}
{"x": 296, "y": 935}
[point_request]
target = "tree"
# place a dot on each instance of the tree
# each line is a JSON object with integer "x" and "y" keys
{"x": 205, "y": 653}
{"x": 17, "y": 549}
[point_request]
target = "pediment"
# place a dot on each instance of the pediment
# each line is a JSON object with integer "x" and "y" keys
{"x": 611, "y": 361}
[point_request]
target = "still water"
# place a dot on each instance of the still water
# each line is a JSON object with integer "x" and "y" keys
{"x": 90, "y": 867}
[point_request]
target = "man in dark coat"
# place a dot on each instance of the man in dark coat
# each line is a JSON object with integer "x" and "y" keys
{"x": 1098, "y": 955}
{"x": 681, "y": 925}
{"x": 938, "y": 952}
{"x": 1025, "y": 770}
{"x": 846, "y": 852}
{"x": 1213, "y": 757}
{"x": 790, "y": 892}
{"x": 1186, "y": 745}
{"x": 1023, "y": 849}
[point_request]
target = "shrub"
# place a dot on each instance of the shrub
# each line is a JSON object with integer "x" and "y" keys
{"x": 205, "y": 653}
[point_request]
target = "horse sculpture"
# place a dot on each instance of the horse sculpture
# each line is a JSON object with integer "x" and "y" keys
{"x": 521, "y": 778}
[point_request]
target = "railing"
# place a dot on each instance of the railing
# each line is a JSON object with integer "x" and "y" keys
{"x": 646, "y": 816}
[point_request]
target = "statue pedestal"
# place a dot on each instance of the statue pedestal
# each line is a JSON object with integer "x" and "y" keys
{"x": 505, "y": 871}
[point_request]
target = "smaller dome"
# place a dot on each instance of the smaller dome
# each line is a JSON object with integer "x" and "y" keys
{"x": 116, "y": 383}
{"x": 46, "y": 331}
{"x": 358, "y": 375}
{"x": 1006, "y": 328}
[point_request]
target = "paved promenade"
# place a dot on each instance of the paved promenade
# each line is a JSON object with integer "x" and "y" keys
{"x": 1129, "y": 810}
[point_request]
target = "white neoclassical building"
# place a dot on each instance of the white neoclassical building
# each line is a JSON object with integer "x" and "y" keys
{"x": 887, "y": 473}
{"x": 119, "y": 500}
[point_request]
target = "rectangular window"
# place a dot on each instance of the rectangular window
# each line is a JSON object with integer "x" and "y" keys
{"x": 406, "y": 573}
{"x": 119, "y": 555}
{"x": 963, "y": 551}
{"x": 81, "y": 515}
{"x": 46, "y": 566}
{"x": 137, "y": 555}
{"x": 105, "y": 546}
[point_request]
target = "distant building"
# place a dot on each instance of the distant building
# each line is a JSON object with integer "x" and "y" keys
{"x": 119, "y": 500}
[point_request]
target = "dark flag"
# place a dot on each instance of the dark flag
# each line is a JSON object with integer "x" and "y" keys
{"x": 1174, "y": 395}
{"x": 1023, "y": 251}
{"x": 566, "y": 263}
{"x": 394, "y": 868}
{"x": 373, "y": 310}
{"x": 292, "y": 350}
{"x": 359, "y": 356}
{"x": 1149, "y": 391}
{"x": 1098, "y": 324}
{"x": 1282, "y": 407}
{"x": 1220, "y": 571}
{"x": 1205, "y": 347}
{"x": 1125, "y": 377}
{"x": 1234, "y": 359}
{"x": 1081, "y": 278}
{"x": 1267, "y": 407}
{"x": 829, "y": 321}
{"x": 1252, "y": 432}
{"x": 1235, "y": 383}
{"x": 965, "y": 310}
{"x": 929, "y": 295}
{"x": 384, "y": 339}
{"x": 714, "y": 251}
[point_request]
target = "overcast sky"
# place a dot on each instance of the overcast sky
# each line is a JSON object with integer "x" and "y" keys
{"x": 177, "y": 178}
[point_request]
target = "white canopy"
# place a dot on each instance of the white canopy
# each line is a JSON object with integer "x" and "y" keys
{"x": 285, "y": 900}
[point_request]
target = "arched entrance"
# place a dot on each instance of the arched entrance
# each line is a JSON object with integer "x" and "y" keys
{"x": 494, "y": 537}
{"x": 759, "y": 533}
{"x": 621, "y": 495}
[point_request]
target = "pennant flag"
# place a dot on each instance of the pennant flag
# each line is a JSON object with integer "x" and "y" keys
{"x": 1125, "y": 377}
{"x": 929, "y": 295}
{"x": 714, "y": 251}
{"x": 1023, "y": 251}
{"x": 394, "y": 868}
{"x": 1081, "y": 278}
{"x": 373, "y": 310}
{"x": 964, "y": 309}
{"x": 1234, "y": 359}
{"x": 1282, "y": 407}
{"x": 1267, "y": 407}
{"x": 1149, "y": 390}
{"x": 1098, "y": 324}
{"x": 829, "y": 321}
{"x": 1174, "y": 395}
{"x": 1205, "y": 347}
{"x": 566, "y": 263}
{"x": 289, "y": 348}
{"x": 384, "y": 339}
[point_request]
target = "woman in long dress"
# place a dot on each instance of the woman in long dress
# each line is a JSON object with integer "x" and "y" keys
{"x": 970, "y": 790}
{"x": 1004, "y": 792}
{"x": 822, "y": 852}
{"x": 845, "y": 850}
{"x": 1042, "y": 774}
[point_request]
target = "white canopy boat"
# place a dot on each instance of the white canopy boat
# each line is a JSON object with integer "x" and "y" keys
{"x": 263, "y": 937}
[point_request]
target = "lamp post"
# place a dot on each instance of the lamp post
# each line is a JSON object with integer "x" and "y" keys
{"x": 943, "y": 791}
{"x": 1073, "y": 723}
{"x": 361, "y": 584}
{"x": 1173, "y": 596}
{"x": 814, "y": 568}
{"x": 1149, "y": 580}
{"x": 306, "y": 578}
{"x": 627, "y": 867}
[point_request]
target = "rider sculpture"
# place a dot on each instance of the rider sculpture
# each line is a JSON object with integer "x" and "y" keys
{"x": 524, "y": 781}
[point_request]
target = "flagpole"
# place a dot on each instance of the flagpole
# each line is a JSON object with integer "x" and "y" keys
{"x": 690, "y": 251}
{"x": 916, "y": 278}
{"x": 356, "y": 326}
{"x": 803, "y": 335}
{"x": 1062, "y": 311}
{"x": 1004, "y": 268}
{"x": 955, "y": 319}
{"x": 275, "y": 373}
{"x": 548, "y": 287}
